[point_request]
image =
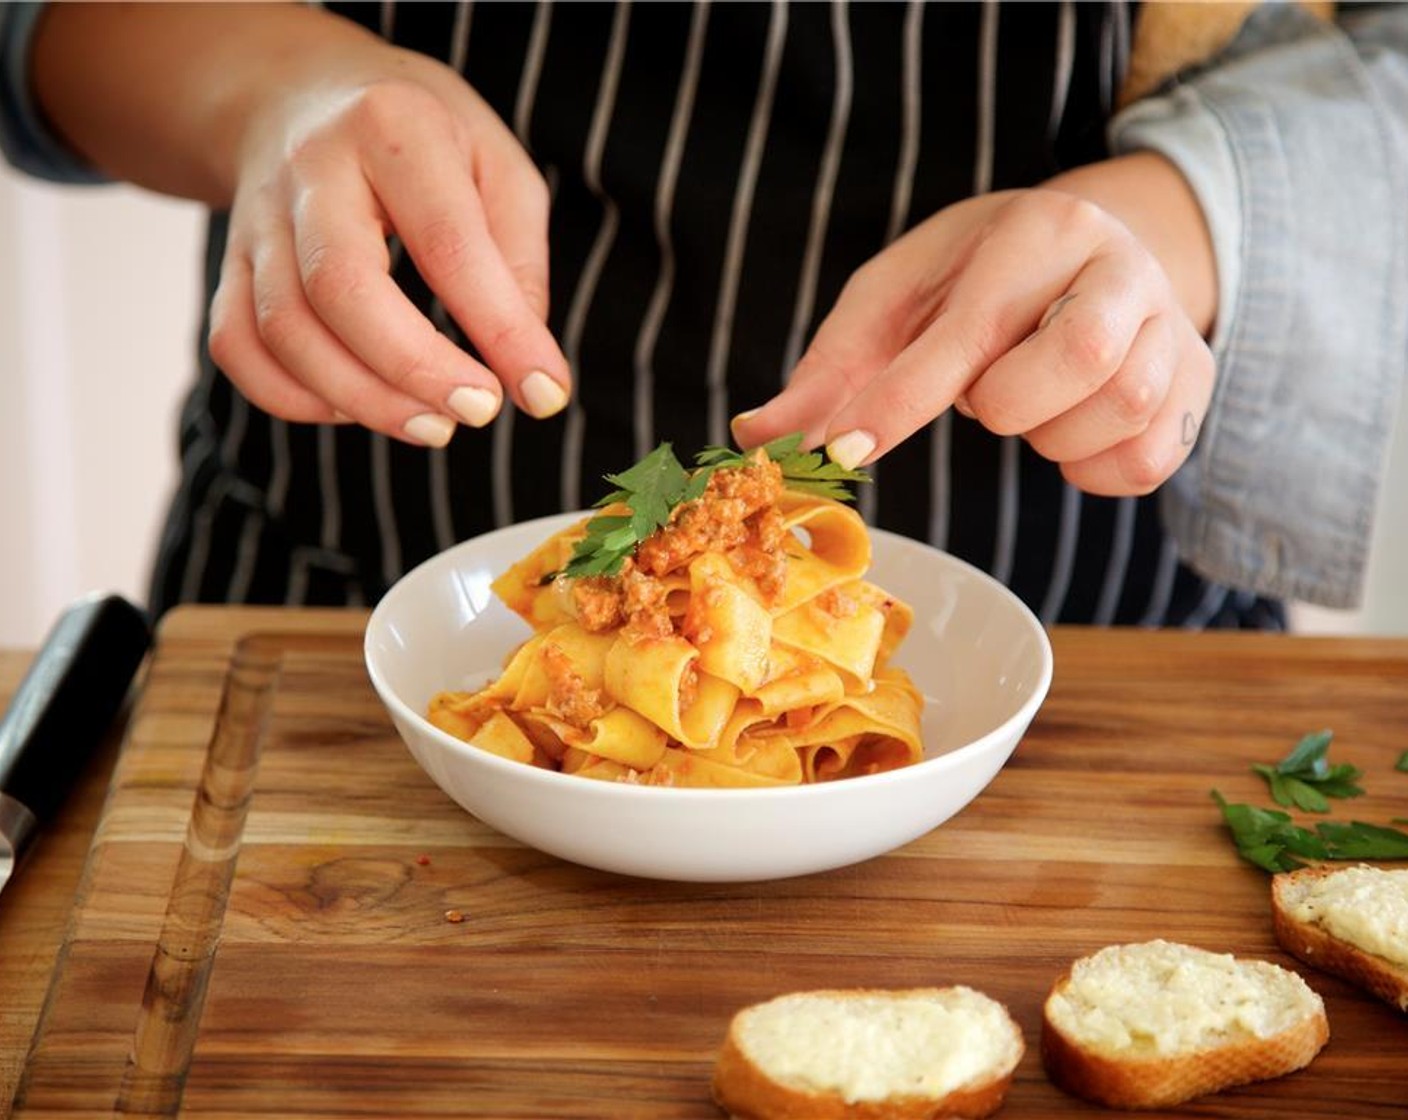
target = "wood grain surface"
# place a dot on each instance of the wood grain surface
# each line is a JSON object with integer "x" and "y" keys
{"x": 261, "y": 929}
{"x": 36, "y": 905}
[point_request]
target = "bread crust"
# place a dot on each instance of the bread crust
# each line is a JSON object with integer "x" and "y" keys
{"x": 1120, "y": 1081}
{"x": 1319, "y": 948}
{"x": 746, "y": 1092}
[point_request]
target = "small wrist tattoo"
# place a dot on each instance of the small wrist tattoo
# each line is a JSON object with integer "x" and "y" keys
{"x": 1190, "y": 429}
{"x": 1054, "y": 310}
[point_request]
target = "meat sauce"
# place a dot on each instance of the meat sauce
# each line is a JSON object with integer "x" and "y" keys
{"x": 737, "y": 515}
{"x": 569, "y": 698}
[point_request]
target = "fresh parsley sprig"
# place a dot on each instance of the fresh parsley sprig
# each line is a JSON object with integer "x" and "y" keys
{"x": 655, "y": 486}
{"x": 652, "y": 489}
{"x": 808, "y": 472}
{"x": 1358, "y": 840}
{"x": 1305, "y": 779}
{"x": 1268, "y": 838}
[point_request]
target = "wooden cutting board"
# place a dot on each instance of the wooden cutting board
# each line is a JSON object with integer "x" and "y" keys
{"x": 262, "y": 926}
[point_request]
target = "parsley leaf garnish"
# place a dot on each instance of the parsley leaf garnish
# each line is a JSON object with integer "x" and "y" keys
{"x": 1268, "y": 839}
{"x": 1305, "y": 779}
{"x": 1358, "y": 840}
{"x": 1402, "y": 763}
{"x": 658, "y": 483}
{"x": 809, "y": 472}
{"x": 652, "y": 489}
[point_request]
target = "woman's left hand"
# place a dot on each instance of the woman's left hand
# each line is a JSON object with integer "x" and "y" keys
{"x": 1038, "y": 313}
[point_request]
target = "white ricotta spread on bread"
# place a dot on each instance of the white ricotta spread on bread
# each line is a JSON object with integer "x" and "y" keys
{"x": 867, "y": 1047}
{"x": 1366, "y": 906}
{"x": 1159, "y": 998}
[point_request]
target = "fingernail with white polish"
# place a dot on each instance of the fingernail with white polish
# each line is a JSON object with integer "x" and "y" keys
{"x": 430, "y": 428}
{"x": 851, "y": 449}
{"x": 542, "y": 395}
{"x": 741, "y": 418}
{"x": 476, "y": 407}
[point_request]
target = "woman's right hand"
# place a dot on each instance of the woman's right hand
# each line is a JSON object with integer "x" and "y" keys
{"x": 364, "y": 141}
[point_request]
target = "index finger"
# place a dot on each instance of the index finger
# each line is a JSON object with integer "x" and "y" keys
{"x": 992, "y": 302}
{"x": 436, "y": 210}
{"x": 886, "y": 304}
{"x": 343, "y": 263}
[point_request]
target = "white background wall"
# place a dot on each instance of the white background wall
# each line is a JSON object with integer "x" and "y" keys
{"x": 98, "y": 319}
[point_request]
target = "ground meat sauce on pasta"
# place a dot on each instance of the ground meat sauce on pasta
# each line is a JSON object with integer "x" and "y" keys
{"x": 736, "y": 515}
{"x": 836, "y": 603}
{"x": 569, "y": 698}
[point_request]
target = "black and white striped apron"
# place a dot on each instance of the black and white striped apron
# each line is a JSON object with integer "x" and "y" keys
{"x": 717, "y": 172}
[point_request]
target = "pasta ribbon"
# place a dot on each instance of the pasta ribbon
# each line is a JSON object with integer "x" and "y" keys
{"x": 525, "y": 588}
{"x": 624, "y": 737}
{"x": 727, "y": 624}
{"x": 836, "y": 550}
{"x": 500, "y": 735}
{"x": 843, "y": 627}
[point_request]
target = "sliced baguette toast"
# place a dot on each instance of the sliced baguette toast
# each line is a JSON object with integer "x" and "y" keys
{"x": 866, "y": 1054}
{"x": 1349, "y": 921}
{"x": 1154, "y": 1024}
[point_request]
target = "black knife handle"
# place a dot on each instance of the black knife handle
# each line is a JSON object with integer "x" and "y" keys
{"x": 66, "y": 702}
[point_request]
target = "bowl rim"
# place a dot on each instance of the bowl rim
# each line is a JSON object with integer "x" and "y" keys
{"x": 1019, "y": 719}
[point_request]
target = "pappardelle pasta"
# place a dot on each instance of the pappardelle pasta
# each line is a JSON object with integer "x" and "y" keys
{"x": 739, "y": 644}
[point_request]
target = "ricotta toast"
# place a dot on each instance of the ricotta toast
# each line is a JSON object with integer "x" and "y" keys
{"x": 865, "y": 1054}
{"x": 1154, "y": 1024}
{"x": 1349, "y": 921}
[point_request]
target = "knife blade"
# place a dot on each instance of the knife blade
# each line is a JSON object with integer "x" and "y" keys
{"x": 60, "y": 712}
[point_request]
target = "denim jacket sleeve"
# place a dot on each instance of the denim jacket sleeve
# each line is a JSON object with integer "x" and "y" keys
{"x": 1295, "y": 140}
{"x": 26, "y": 140}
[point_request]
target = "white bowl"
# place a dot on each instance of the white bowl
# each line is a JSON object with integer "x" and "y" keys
{"x": 979, "y": 656}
